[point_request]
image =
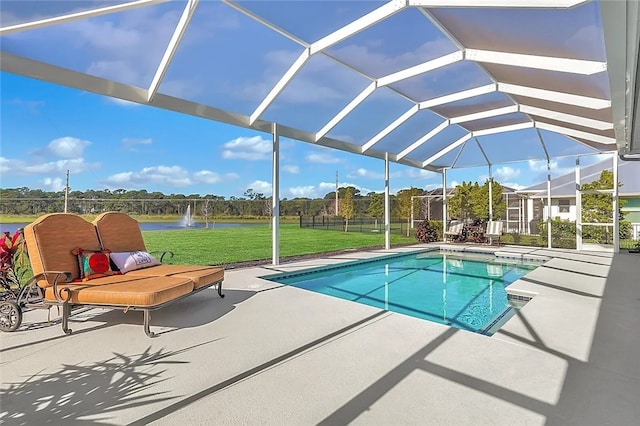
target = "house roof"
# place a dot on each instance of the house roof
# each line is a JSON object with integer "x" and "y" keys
{"x": 565, "y": 185}
{"x": 433, "y": 84}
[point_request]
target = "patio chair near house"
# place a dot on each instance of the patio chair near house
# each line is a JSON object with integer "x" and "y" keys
{"x": 455, "y": 232}
{"x": 494, "y": 231}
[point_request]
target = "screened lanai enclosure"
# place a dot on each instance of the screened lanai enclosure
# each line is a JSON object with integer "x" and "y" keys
{"x": 431, "y": 84}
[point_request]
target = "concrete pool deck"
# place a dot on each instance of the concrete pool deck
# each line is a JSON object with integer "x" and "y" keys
{"x": 272, "y": 354}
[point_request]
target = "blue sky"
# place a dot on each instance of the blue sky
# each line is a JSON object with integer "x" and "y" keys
{"x": 111, "y": 144}
{"x": 105, "y": 143}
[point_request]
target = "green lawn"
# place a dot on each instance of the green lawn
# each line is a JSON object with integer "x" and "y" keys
{"x": 229, "y": 245}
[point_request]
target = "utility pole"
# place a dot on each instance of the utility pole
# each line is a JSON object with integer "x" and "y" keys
{"x": 336, "y": 210}
{"x": 66, "y": 193}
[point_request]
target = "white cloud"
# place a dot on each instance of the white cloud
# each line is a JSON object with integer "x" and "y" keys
{"x": 513, "y": 185}
{"x": 540, "y": 166}
{"x": 120, "y": 178}
{"x": 412, "y": 173}
{"x": 172, "y": 176}
{"x": 206, "y": 176}
{"x": 126, "y": 49}
{"x": 422, "y": 174}
{"x": 364, "y": 173}
{"x": 122, "y": 102}
{"x": 5, "y": 165}
{"x": 74, "y": 165}
{"x": 432, "y": 186}
{"x": 252, "y": 149}
{"x": 54, "y": 184}
{"x": 261, "y": 187}
{"x": 33, "y": 107}
{"x": 506, "y": 173}
{"x": 308, "y": 191}
{"x": 25, "y": 168}
{"x": 130, "y": 144}
{"x": 67, "y": 147}
{"x": 291, "y": 169}
{"x": 327, "y": 187}
{"x": 322, "y": 158}
{"x": 209, "y": 177}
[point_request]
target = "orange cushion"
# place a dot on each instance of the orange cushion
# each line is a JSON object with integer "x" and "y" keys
{"x": 132, "y": 291}
{"x": 201, "y": 276}
{"x": 119, "y": 232}
{"x": 50, "y": 240}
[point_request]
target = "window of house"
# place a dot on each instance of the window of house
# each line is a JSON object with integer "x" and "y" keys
{"x": 563, "y": 206}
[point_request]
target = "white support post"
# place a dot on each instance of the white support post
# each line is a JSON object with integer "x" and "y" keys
{"x": 275, "y": 198}
{"x": 491, "y": 194}
{"x": 520, "y": 215}
{"x": 578, "y": 207}
{"x": 548, "y": 204}
{"x": 411, "y": 226}
{"x": 616, "y": 217}
{"x": 444, "y": 205}
{"x": 529, "y": 214}
{"x": 387, "y": 205}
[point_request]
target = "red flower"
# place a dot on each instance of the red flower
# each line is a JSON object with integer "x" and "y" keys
{"x": 8, "y": 248}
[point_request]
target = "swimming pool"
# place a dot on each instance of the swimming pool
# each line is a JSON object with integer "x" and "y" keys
{"x": 462, "y": 292}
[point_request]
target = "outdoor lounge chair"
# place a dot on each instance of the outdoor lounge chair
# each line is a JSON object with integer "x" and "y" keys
{"x": 455, "y": 232}
{"x": 52, "y": 241}
{"x": 494, "y": 230}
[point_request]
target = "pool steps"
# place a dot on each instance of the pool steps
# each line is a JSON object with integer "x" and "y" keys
{"x": 501, "y": 254}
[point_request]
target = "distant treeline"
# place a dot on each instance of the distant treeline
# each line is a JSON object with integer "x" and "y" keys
{"x": 25, "y": 201}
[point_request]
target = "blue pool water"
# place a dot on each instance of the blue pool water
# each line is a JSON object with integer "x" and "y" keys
{"x": 449, "y": 289}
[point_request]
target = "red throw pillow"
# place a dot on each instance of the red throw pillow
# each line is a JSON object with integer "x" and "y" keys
{"x": 93, "y": 264}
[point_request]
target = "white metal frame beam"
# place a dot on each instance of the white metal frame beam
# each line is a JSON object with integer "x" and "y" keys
{"x": 502, "y": 129}
{"x": 546, "y": 4}
{"x": 280, "y": 85}
{"x": 360, "y": 24}
{"x": 422, "y": 68}
{"x": 567, "y": 118}
{"x": 390, "y": 128}
{"x": 78, "y": 15}
{"x": 387, "y": 80}
{"x": 575, "y": 133}
{"x": 354, "y": 27}
{"x": 440, "y": 127}
{"x": 484, "y": 114}
{"x": 240, "y": 8}
{"x": 443, "y": 125}
{"x": 447, "y": 149}
{"x": 181, "y": 28}
{"x": 346, "y": 110}
{"x": 621, "y": 30}
{"x": 552, "y": 96}
{"x": 458, "y": 96}
{"x": 573, "y": 66}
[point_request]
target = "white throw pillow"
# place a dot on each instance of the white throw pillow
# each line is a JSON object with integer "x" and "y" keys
{"x": 132, "y": 260}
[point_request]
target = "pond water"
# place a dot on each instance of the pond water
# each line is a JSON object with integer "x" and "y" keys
{"x": 150, "y": 226}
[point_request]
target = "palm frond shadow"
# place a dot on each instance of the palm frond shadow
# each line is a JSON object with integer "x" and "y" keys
{"x": 89, "y": 393}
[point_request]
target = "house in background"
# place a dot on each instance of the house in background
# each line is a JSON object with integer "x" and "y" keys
{"x": 515, "y": 218}
{"x": 563, "y": 194}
